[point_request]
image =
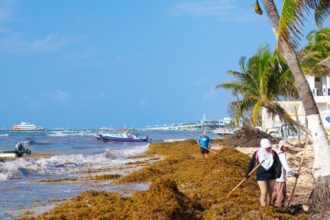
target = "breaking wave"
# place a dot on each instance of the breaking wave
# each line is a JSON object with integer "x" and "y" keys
{"x": 66, "y": 164}
{"x": 173, "y": 140}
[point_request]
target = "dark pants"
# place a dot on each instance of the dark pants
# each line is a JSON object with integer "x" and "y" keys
{"x": 204, "y": 150}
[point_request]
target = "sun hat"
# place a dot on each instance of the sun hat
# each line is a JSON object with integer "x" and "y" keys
{"x": 284, "y": 143}
{"x": 265, "y": 143}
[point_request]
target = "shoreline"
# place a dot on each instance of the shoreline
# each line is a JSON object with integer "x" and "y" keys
{"x": 182, "y": 186}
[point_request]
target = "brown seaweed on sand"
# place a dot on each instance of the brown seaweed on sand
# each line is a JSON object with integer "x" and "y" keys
{"x": 183, "y": 186}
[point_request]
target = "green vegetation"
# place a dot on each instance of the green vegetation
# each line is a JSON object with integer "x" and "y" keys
{"x": 96, "y": 177}
{"x": 317, "y": 50}
{"x": 262, "y": 79}
{"x": 103, "y": 177}
{"x": 183, "y": 186}
{"x": 142, "y": 162}
{"x": 67, "y": 179}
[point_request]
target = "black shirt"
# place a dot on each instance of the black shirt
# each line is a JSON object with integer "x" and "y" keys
{"x": 263, "y": 174}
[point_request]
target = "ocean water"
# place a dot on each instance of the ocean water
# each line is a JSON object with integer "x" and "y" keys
{"x": 62, "y": 154}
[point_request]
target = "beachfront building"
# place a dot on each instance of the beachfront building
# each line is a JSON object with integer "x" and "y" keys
{"x": 194, "y": 125}
{"x": 320, "y": 87}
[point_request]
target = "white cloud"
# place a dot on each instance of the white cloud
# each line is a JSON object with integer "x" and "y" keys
{"x": 225, "y": 10}
{"x": 16, "y": 43}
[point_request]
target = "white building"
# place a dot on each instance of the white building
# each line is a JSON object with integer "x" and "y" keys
{"x": 320, "y": 87}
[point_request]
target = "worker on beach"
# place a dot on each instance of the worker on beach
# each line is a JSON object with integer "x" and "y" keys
{"x": 204, "y": 142}
{"x": 279, "y": 194}
{"x": 267, "y": 172}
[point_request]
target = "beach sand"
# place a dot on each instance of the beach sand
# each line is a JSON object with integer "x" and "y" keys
{"x": 182, "y": 186}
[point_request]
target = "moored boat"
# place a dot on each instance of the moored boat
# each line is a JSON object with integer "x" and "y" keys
{"x": 124, "y": 137}
{"x": 224, "y": 131}
{"x": 19, "y": 151}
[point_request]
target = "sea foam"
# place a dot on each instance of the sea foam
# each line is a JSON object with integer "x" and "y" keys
{"x": 66, "y": 164}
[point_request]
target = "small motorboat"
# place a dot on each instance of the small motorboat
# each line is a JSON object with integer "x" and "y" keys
{"x": 19, "y": 151}
{"x": 124, "y": 137}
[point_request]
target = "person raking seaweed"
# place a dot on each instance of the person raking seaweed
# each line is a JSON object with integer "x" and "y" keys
{"x": 279, "y": 194}
{"x": 267, "y": 172}
{"x": 204, "y": 142}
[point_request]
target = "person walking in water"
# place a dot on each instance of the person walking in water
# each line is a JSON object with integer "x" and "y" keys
{"x": 203, "y": 143}
{"x": 267, "y": 172}
{"x": 279, "y": 194}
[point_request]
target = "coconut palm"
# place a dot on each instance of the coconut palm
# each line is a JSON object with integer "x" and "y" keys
{"x": 262, "y": 79}
{"x": 318, "y": 49}
{"x": 287, "y": 29}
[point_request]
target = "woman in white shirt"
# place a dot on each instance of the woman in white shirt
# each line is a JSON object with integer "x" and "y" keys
{"x": 279, "y": 193}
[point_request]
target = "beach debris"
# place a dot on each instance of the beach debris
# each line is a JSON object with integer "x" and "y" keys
{"x": 248, "y": 137}
{"x": 103, "y": 177}
{"x": 183, "y": 186}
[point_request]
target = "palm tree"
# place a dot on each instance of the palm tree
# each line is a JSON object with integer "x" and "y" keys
{"x": 261, "y": 80}
{"x": 287, "y": 31}
{"x": 318, "y": 49}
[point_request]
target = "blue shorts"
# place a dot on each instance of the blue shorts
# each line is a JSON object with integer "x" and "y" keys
{"x": 204, "y": 150}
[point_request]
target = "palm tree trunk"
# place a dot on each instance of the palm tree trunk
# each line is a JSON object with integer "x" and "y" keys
{"x": 297, "y": 119}
{"x": 320, "y": 197}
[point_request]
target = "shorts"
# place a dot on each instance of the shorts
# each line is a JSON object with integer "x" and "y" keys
{"x": 204, "y": 150}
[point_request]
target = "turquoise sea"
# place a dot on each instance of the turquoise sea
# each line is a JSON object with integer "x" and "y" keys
{"x": 61, "y": 154}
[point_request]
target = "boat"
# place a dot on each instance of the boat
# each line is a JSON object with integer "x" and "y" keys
{"x": 123, "y": 137}
{"x": 224, "y": 131}
{"x": 19, "y": 151}
{"x": 26, "y": 126}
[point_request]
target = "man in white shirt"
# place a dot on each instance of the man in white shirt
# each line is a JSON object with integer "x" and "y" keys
{"x": 279, "y": 193}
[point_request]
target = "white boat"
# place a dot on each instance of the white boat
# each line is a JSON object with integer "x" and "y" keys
{"x": 121, "y": 137}
{"x": 225, "y": 131}
{"x": 26, "y": 126}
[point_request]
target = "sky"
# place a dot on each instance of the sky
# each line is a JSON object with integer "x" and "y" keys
{"x": 83, "y": 64}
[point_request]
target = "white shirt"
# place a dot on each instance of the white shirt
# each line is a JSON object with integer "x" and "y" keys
{"x": 285, "y": 167}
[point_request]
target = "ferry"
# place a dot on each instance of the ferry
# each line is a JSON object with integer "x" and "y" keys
{"x": 26, "y": 126}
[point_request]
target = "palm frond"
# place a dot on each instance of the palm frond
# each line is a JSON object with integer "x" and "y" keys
{"x": 241, "y": 63}
{"x": 322, "y": 11}
{"x": 256, "y": 109}
{"x": 291, "y": 22}
{"x": 293, "y": 15}
{"x": 230, "y": 85}
{"x": 311, "y": 35}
